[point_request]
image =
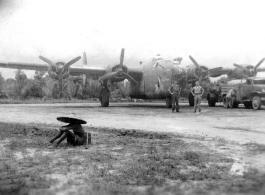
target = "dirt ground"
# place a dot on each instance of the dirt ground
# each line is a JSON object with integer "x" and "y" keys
{"x": 135, "y": 146}
{"x": 240, "y": 125}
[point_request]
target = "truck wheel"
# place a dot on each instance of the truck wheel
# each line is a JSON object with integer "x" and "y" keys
{"x": 256, "y": 103}
{"x": 168, "y": 102}
{"x": 104, "y": 97}
{"x": 211, "y": 101}
{"x": 191, "y": 99}
{"x": 247, "y": 105}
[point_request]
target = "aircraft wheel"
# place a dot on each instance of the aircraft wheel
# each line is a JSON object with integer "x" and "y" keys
{"x": 191, "y": 99}
{"x": 104, "y": 97}
{"x": 168, "y": 102}
{"x": 256, "y": 103}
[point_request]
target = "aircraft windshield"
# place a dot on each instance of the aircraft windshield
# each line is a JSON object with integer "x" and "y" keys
{"x": 259, "y": 82}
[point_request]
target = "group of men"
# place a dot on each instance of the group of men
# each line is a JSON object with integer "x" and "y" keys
{"x": 175, "y": 90}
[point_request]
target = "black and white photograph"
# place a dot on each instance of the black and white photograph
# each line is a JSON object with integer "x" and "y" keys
{"x": 132, "y": 97}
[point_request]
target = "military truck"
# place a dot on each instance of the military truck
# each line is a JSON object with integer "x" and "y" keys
{"x": 250, "y": 92}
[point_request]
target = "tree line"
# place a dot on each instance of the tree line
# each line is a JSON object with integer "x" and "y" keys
{"x": 43, "y": 87}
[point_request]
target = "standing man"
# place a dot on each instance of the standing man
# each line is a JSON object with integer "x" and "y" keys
{"x": 197, "y": 91}
{"x": 230, "y": 98}
{"x": 175, "y": 90}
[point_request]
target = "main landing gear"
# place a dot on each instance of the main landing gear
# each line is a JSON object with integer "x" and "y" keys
{"x": 104, "y": 95}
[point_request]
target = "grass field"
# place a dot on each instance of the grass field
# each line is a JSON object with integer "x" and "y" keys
{"x": 117, "y": 162}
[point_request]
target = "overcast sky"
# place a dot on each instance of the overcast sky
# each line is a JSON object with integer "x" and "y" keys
{"x": 215, "y": 33}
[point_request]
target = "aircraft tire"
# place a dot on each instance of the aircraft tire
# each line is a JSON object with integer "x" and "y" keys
{"x": 256, "y": 103}
{"x": 104, "y": 97}
{"x": 191, "y": 99}
{"x": 168, "y": 102}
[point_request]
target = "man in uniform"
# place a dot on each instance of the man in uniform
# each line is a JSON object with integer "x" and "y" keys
{"x": 197, "y": 91}
{"x": 175, "y": 90}
{"x": 230, "y": 98}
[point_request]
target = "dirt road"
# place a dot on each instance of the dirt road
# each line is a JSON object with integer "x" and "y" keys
{"x": 240, "y": 125}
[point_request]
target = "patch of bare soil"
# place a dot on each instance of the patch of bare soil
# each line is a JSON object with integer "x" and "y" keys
{"x": 124, "y": 162}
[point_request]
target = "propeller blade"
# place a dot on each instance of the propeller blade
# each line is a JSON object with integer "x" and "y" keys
{"x": 130, "y": 78}
{"x": 194, "y": 62}
{"x": 261, "y": 70}
{"x": 122, "y": 56}
{"x": 47, "y": 61}
{"x": 72, "y": 61}
{"x": 240, "y": 66}
{"x": 107, "y": 76}
{"x": 84, "y": 59}
{"x": 260, "y": 62}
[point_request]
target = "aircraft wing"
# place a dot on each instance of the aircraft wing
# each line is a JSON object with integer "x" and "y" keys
{"x": 219, "y": 72}
{"x": 75, "y": 70}
{"x": 261, "y": 69}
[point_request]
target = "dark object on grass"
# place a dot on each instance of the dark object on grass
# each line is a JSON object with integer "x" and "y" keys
{"x": 71, "y": 120}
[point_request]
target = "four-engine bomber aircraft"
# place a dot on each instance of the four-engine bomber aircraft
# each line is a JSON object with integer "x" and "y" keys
{"x": 150, "y": 81}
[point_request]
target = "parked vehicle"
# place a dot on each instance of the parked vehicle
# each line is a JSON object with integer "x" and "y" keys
{"x": 250, "y": 92}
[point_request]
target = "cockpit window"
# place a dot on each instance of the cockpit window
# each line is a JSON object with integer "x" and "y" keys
{"x": 259, "y": 82}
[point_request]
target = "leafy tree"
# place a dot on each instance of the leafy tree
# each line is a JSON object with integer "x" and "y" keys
{"x": 21, "y": 80}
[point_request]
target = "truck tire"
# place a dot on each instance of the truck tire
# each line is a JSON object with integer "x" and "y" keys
{"x": 211, "y": 101}
{"x": 191, "y": 99}
{"x": 248, "y": 105}
{"x": 256, "y": 102}
{"x": 104, "y": 97}
{"x": 168, "y": 102}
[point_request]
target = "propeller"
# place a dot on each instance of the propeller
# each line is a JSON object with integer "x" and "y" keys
{"x": 119, "y": 74}
{"x": 59, "y": 71}
{"x": 202, "y": 73}
{"x": 65, "y": 66}
{"x": 84, "y": 76}
{"x": 249, "y": 70}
